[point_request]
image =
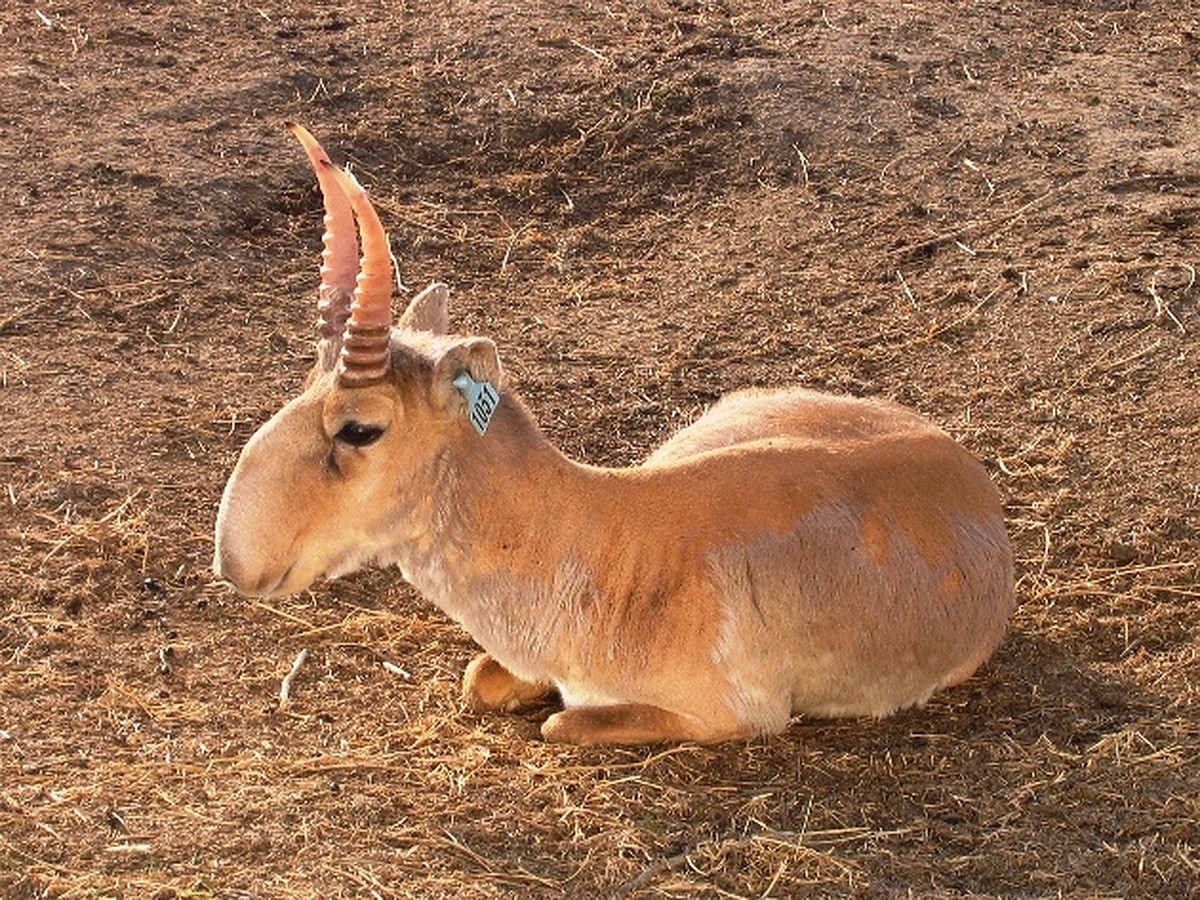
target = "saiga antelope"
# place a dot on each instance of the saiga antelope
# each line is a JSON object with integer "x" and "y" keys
{"x": 790, "y": 552}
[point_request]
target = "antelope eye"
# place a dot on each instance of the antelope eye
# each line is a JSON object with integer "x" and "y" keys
{"x": 358, "y": 435}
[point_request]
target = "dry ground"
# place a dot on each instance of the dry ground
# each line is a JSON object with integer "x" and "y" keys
{"x": 986, "y": 210}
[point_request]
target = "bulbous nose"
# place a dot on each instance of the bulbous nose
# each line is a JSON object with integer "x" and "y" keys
{"x": 229, "y": 568}
{"x": 245, "y": 578}
{"x": 238, "y": 557}
{"x": 269, "y": 504}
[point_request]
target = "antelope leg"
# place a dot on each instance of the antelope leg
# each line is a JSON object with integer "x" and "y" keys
{"x": 625, "y": 723}
{"x": 488, "y": 685}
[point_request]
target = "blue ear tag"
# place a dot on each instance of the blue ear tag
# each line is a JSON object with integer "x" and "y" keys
{"x": 481, "y": 398}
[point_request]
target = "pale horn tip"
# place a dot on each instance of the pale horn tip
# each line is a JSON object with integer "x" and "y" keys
{"x": 316, "y": 153}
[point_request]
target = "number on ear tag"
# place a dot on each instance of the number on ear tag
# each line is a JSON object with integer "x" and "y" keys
{"x": 481, "y": 398}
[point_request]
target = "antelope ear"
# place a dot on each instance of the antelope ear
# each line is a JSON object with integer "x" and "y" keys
{"x": 428, "y": 311}
{"x": 474, "y": 357}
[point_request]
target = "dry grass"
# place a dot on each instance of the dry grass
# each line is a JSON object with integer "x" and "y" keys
{"x": 987, "y": 213}
{"x": 181, "y": 776}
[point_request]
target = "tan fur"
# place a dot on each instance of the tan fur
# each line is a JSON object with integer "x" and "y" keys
{"x": 790, "y": 552}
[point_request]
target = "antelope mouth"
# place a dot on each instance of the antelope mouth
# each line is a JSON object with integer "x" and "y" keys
{"x": 266, "y": 586}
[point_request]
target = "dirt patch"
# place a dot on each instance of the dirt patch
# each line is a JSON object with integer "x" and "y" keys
{"x": 988, "y": 213}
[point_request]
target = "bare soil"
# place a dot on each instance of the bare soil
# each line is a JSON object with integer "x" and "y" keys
{"x": 987, "y": 211}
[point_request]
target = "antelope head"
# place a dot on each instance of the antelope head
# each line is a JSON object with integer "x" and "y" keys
{"x": 334, "y": 479}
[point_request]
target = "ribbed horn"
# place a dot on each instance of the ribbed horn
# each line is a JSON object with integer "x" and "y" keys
{"x": 339, "y": 259}
{"x": 365, "y": 347}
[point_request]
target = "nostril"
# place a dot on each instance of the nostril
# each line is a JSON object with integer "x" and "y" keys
{"x": 248, "y": 567}
{"x": 225, "y": 575}
{"x": 251, "y": 583}
{"x": 270, "y": 585}
{"x": 225, "y": 567}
